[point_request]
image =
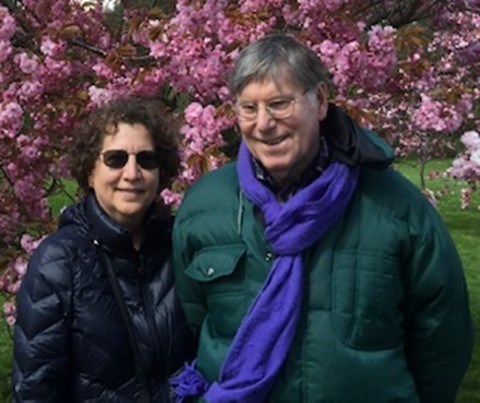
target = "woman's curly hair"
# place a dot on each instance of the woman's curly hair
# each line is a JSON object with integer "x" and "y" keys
{"x": 87, "y": 139}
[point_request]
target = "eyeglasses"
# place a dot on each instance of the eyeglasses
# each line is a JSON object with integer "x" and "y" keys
{"x": 117, "y": 159}
{"x": 279, "y": 108}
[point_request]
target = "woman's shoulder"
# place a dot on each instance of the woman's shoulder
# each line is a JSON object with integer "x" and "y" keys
{"x": 54, "y": 255}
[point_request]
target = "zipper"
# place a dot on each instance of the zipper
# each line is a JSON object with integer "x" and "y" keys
{"x": 150, "y": 316}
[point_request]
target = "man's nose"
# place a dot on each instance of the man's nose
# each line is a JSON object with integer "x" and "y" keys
{"x": 264, "y": 119}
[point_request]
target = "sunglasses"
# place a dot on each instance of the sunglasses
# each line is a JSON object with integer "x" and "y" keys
{"x": 117, "y": 159}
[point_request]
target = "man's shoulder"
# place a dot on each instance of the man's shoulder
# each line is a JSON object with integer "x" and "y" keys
{"x": 391, "y": 192}
{"x": 390, "y": 183}
{"x": 218, "y": 187}
{"x": 218, "y": 181}
{"x": 225, "y": 173}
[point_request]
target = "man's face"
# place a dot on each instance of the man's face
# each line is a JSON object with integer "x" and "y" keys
{"x": 285, "y": 146}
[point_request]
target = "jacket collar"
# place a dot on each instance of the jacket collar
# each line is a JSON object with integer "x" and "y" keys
{"x": 343, "y": 140}
{"x": 97, "y": 224}
{"x": 352, "y": 144}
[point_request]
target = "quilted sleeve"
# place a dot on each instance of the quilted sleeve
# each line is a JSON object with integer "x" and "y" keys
{"x": 439, "y": 332}
{"x": 188, "y": 291}
{"x": 41, "y": 337}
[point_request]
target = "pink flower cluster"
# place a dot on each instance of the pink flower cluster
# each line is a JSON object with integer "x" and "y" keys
{"x": 11, "y": 278}
{"x": 416, "y": 86}
{"x": 7, "y": 29}
{"x": 436, "y": 116}
{"x": 354, "y": 65}
{"x": 467, "y": 166}
{"x": 202, "y": 134}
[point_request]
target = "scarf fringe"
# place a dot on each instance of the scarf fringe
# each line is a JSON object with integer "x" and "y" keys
{"x": 189, "y": 382}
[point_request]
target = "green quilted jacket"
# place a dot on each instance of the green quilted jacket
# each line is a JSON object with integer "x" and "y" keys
{"x": 384, "y": 313}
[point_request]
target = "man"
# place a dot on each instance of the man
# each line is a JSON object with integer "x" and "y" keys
{"x": 310, "y": 271}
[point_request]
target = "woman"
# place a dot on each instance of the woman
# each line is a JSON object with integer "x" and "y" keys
{"x": 98, "y": 320}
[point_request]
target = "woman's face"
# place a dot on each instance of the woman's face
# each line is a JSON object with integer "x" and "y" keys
{"x": 285, "y": 147}
{"x": 125, "y": 193}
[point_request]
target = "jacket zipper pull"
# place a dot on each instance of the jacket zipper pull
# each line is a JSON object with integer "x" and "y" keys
{"x": 141, "y": 268}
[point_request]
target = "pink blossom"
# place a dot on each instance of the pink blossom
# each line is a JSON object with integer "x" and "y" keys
{"x": 436, "y": 116}
{"x": 171, "y": 198}
{"x": 11, "y": 320}
{"x": 30, "y": 90}
{"x": 9, "y": 308}
{"x": 158, "y": 49}
{"x": 27, "y": 64}
{"x": 471, "y": 139}
{"x": 7, "y": 25}
{"x": 465, "y": 197}
{"x": 11, "y": 115}
{"x": 193, "y": 111}
{"x": 102, "y": 70}
{"x": 418, "y": 91}
{"x": 329, "y": 49}
{"x": 51, "y": 48}
{"x": 475, "y": 157}
{"x": 467, "y": 165}
{"x": 5, "y": 50}
{"x": 30, "y": 153}
{"x": 99, "y": 96}
{"x": 431, "y": 197}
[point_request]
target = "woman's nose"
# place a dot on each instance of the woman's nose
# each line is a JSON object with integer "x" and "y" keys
{"x": 131, "y": 169}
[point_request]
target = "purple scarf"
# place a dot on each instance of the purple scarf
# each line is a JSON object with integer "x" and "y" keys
{"x": 263, "y": 340}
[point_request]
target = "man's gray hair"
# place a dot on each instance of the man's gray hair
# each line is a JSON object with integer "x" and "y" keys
{"x": 273, "y": 56}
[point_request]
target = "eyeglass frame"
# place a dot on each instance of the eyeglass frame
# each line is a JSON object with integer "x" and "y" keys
{"x": 292, "y": 102}
{"x": 138, "y": 158}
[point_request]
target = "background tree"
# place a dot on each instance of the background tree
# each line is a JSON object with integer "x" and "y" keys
{"x": 408, "y": 69}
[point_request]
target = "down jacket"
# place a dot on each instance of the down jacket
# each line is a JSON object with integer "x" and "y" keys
{"x": 384, "y": 315}
{"x": 71, "y": 344}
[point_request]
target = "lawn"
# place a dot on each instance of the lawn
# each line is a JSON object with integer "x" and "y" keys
{"x": 5, "y": 360}
{"x": 464, "y": 227}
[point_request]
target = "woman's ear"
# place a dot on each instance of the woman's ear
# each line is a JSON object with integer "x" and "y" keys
{"x": 322, "y": 98}
{"x": 90, "y": 180}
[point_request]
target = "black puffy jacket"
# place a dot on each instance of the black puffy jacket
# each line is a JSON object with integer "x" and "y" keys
{"x": 71, "y": 344}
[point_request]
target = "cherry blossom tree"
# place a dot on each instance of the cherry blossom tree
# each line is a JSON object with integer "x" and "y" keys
{"x": 467, "y": 166}
{"x": 409, "y": 72}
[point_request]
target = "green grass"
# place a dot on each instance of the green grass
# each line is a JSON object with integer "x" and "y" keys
{"x": 64, "y": 195}
{"x": 464, "y": 226}
{"x": 5, "y": 359}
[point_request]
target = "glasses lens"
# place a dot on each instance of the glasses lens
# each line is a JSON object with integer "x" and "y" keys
{"x": 281, "y": 108}
{"x": 246, "y": 111}
{"x": 115, "y": 158}
{"x": 148, "y": 159}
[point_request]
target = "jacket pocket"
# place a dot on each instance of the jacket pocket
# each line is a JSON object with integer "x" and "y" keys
{"x": 367, "y": 300}
{"x": 212, "y": 263}
{"x": 220, "y": 274}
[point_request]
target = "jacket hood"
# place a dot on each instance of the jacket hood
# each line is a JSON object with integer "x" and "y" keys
{"x": 352, "y": 144}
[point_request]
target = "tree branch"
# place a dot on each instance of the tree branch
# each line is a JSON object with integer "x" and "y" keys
{"x": 91, "y": 48}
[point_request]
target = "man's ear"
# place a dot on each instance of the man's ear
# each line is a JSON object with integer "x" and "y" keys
{"x": 322, "y": 97}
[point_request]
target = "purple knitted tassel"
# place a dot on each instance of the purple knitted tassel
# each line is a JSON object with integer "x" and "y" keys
{"x": 263, "y": 339}
{"x": 188, "y": 383}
